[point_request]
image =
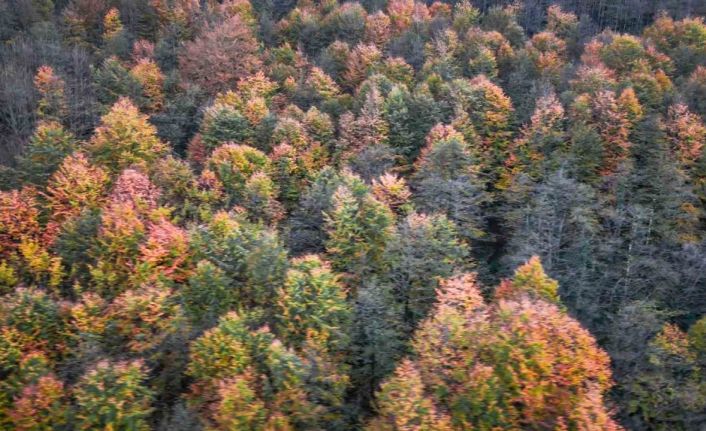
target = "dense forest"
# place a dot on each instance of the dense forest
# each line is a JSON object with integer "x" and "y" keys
{"x": 381, "y": 215}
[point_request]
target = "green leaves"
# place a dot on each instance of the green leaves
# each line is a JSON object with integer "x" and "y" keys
{"x": 112, "y": 396}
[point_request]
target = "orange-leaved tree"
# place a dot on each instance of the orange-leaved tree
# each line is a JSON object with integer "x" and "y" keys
{"x": 519, "y": 362}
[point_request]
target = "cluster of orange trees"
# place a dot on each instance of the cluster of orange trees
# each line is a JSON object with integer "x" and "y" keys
{"x": 386, "y": 215}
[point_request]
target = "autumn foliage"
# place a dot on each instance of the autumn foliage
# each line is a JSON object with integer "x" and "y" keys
{"x": 530, "y": 364}
{"x": 395, "y": 215}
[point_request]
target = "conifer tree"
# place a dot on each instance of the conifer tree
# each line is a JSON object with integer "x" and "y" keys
{"x": 423, "y": 250}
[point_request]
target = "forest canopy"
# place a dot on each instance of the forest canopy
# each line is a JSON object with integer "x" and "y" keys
{"x": 385, "y": 215}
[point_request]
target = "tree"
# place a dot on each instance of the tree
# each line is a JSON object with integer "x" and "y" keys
{"x": 402, "y": 404}
{"x": 33, "y": 397}
{"x": 666, "y": 391}
{"x": 531, "y": 280}
{"x": 225, "y": 122}
{"x": 358, "y": 228}
{"x": 37, "y": 321}
{"x": 125, "y": 225}
{"x": 409, "y": 121}
{"x": 695, "y": 89}
{"x": 220, "y": 56}
{"x": 556, "y": 376}
{"x": 686, "y": 134}
{"x": 393, "y": 192}
{"x": 112, "y": 81}
{"x": 490, "y": 112}
{"x": 250, "y": 255}
{"x": 611, "y": 123}
{"x": 164, "y": 256}
{"x": 289, "y": 390}
{"x": 259, "y": 199}
{"x": 557, "y": 220}
{"x": 683, "y": 41}
{"x": 75, "y": 186}
{"x": 541, "y": 145}
{"x": 306, "y": 224}
{"x": 564, "y": 24}
{"x": 377, "y": 29}
{"x": 147, "y": 73}
{"x": 504, "y": 21}
{"x": 41, "y": 405}
{"x": 45, "y": 152}
{"x": 362, "y": 60}
{"x": 113, "y": 395}
{"x": 623, "y": 54}
{"x": 314, "y": 298}
{"x": 19, "y": 219}
{"x": 423, "y": 250}
{"x": 52, "y": 104}
{"x": 234, "y": 165}
{"x": 111, "y": 24}
{"x": 367, "y": 130}
{"x": 125, "y": 137}
{"x": 139, "y": 320}
{"x": 447, "y": 181}
{"x": 208, "y": 294}
{"x": 548, "y": 53}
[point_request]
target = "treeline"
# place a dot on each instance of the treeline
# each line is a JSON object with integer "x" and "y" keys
{"x": 377, "y": 215}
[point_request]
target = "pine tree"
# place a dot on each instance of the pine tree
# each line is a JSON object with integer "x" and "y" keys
{"x": 207, "y": 295}
{"x": 113, "y": 81}
{"x": 306, "y": 224}
{"x": 45, "y": 152}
